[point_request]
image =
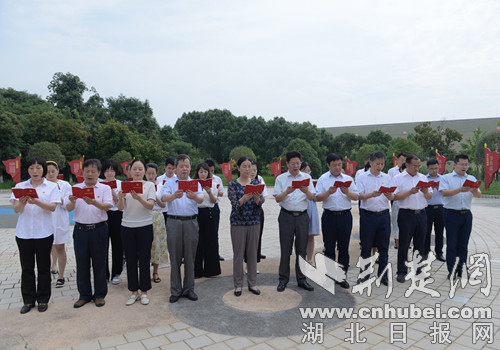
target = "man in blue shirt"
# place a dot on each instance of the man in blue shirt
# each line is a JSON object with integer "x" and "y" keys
{"x": 434, "y": 211}
{"x": 457, "y": 214}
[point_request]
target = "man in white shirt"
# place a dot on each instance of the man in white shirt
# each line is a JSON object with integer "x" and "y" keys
{"x": 293, "y": 219}
{"x": 401, "y": 159}
{"x": 336, "y": 221}
{"x": 169, "y": 174}
{"x": 412, "y": 220}
{"x": 435, "y": 213}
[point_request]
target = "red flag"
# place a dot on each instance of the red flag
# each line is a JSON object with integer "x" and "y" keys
{"x": 350, "y": 166}
{"x": 276, "y": 168}
{"x": 394, "y": 160}
{"x": 76, "y": 166}
{"x": 124, "y": 166}
{"x": 442, "y": 163}
{"x": 491, "y": 164}
{"x": 13, "y": 167}
{"x": 227, "y": 170}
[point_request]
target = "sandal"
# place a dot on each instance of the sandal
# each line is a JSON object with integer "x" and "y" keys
{"x": 156, "y": 279}
{"x": 60, "y": 283}
{"x": 54, "y": 272}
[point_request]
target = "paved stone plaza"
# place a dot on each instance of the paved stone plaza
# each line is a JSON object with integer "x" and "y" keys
{"x": 219, "y": 320}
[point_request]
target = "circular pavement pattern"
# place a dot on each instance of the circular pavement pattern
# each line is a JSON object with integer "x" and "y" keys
{"x": 271, "y": 314}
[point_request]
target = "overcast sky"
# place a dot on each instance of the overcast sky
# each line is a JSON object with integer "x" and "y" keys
{"x": 334, "y": 63}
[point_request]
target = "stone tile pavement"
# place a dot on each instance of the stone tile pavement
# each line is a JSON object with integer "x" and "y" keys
{"x": 116, "y": 326}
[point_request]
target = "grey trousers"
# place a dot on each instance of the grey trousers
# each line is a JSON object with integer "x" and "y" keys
{"x": 245, "y": 239}
{"x": 182, "y": 241}
{"x": 292, "y": 227}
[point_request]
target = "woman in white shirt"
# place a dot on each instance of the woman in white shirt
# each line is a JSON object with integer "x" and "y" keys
{"x": 35, "y": 234}
{"x": 61, "y": 223}
{"x": 159, "y": 251}
{"x": 137, "y": 232}
{"x": 207, "y": 262}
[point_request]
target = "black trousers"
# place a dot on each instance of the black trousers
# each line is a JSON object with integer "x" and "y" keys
{"x": 114, "y": 228}
{"x": 458, "y": 229}
{"x": 91, "y": 250}
{"x": 216, "y": 213}
{"x": 137, "y": 242}
{"x": 207, "y": 262}
{"x": 375, "y": 231}
{"x": 337, "y": 233}
{"x": 29, "y": 251}
{"x": 411, "y": 226}
{"x": 292, "y": 227}
{"x": 435, "y": 215}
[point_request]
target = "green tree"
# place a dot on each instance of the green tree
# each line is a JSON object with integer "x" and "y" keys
{"x": 308, "y": 154}
{"x": 399, "y": 144}
{"x": 241, "y": 151}
{"x": 345, "y": 144}
{"x": 22, "y": 103}
{"x": 114, "y": 137}
{"x": 11, "y": 130}
{"x": 378, "y": 137}
{"x": 431, "y": 139}
{"x": 364, "y": 151}
{"x": 470, "y": 146}
{"x": 49, "y": 151}
{"x": 66, "y": 92}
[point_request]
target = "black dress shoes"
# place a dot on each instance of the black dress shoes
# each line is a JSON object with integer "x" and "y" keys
{"x": 42, "y": 307}
{"x": 254, "y": 291}
{"x": 440, "y": 257}
{"x": 343, "y": 284}
{"x": 221, "y": 258}
{"x": 191, "y": 295}
{"x": 262, "y": 256}
{"x": 306, "y": 286}
{"x": 238, "y": 292}
{"x": 26, "y": 308}
{"x": 281, "y": 286}
{"x": 401, "y": 278}
{"x": 174, "y": 298}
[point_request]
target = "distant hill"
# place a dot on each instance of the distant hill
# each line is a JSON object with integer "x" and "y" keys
{"x": 464, "y": 126}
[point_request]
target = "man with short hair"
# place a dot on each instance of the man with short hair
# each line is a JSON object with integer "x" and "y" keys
{"x": 293, "y": 219}
{"x": 220, "y": 193}
{"x": 457, "y": 215}
{"x": 401, "y": 159}
{"x": 336, "y": 221}
{"x": 90, "y": 235}
{"x": 169, "y": 174}
{"x": 434, "y": 212}
{"x": 182, "y": 229}
{"x": 412, "y": 221}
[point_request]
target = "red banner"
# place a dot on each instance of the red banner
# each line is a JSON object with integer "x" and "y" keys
{"x": 276, "y": 168}
{"x": 13, "y": 168}
{"x": 442, "y": 163}
{"x": 124, "y": 166}
{"x": 491, "y": 164}
{"x": 76, "y": 166}
{"x": 227, "y": 170}
{"x": 350, "y": 166}
{"x": 394, "y": 160}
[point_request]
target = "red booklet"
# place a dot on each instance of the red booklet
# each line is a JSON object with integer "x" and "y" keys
{"x": 188, "y": 185}
{"x": 301, "y": 183}
{"x": 205, "y": 183}
{"x": 423, "y": 184}
{"x": 472, "y": 184}
{"x": 83, "y": 192}
{"x": 128, "y": 186}
{"x": 60, "y": 177}
{"x": 130, "y": 179}
{"x": 164, "y": 180}
{"x": 342, "y": 184}
{"x": 387, "y": 189}
{"x": 254, "y": 188}
{"x": 24, "y": 192}
{"x": 111, "y": 184}
{"x": 434, "y": 184}
{"x": 315, "y": 182}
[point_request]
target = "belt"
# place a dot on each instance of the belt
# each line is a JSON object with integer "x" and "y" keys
{"x": 294, "y": 213}
{"x": 89, "y": 226}
{"x": 378, "y": 213}
{"x": 437, "y": 206}
{"x": 337, "y": 213}
{"x": 182, "y": 218}
{"x": 413, "y": 211}
{"x": 465, "y": 211}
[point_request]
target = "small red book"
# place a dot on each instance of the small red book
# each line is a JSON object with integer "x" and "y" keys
{"x": 315, "y": 182}
{"x": 342, "y": 184}
{"x": 83, "y": 192}
{"x": 205, "y": 183}
{"x": 423, "y": 184}
{"x": 24, "y": 192}
{"x": 384, "y": 189}
{"x": 472, "y": 184}
{"x": 188, "y": 185}
{"x": 301, "y": 183}
{"x": 254, "y": 188}
{"x": 164, "y": 180}
{"x": 128, "y": 186}
{"x": 60, "y": 177}
{"x": 111, "y": 184}
{"x": 434, "y": 184}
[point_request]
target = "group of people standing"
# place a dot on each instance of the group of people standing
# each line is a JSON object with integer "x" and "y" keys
{"x": 166, "y": 222}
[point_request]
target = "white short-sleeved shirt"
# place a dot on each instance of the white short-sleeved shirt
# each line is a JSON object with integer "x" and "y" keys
{"x": 160, "y": 180}
{"x": 337, "y": 201}
{"x": 34, "y": 222}
{"x": 206, "y": 197}
{"x": 60, "y": 215}
{"x": 218, "y": 181}
{"x": 159, "y": 189}
{"x": 297, "y": 200}
{"x": 134, "y": 213}
{"x": 367, "y": 183}
{"x": 88, "y": 214}
{"x": 261, "y": 180}
{"x": 393, "y": 171}
{"x": 405, "y": 182}
{"x": 460, "y": 201}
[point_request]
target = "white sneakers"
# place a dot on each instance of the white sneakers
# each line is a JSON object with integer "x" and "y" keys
{"x": 116, "y": 279}
{"x": 133, "y": 298}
